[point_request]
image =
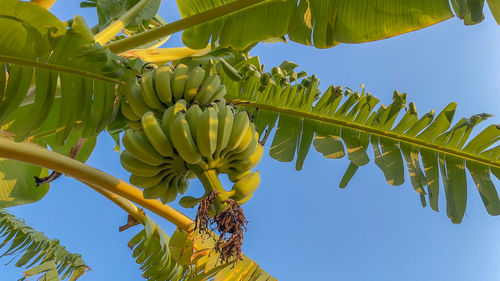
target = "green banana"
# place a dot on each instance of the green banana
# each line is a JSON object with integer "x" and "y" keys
{"x": 220, "y": 93}
{"x": 247, "y": 139}
{"x": 171, "y": 192}
{"x": 137, "y": 167}
{"x": 148, "y": 90}
{"x": 235, "y": 175}
{"x": 158, "y": 190}
{"x": 135, "y": 100}
{"x": 206, "y": 132}
{"x": 97, "y": 109}
{"x": 208, "y": 89}
{"x": 162, "y": 84}
{"x": 170, "y": 113}
{"x": 192, "y": 115}
{"x": 155, "y": 135}
{"x": 193, "y": 82}
{"x": 148, "y": 182}
{"x": 128, "y": 113}
{"x": 241, "y": 124}
{"x": 136, "y": 125}
{"x": 244, "y": 199}
{"x": 182, "y": 140}
{"x": 246, "y": 186}
{"x": 140, "y": 148}
{"x": 226, "y": 119}
{"x": 249, "y": 150}
{"x": 250, "y": 162}
{"x": 189, "y": 201}
{"x": 178, "y": 81}
{"x": 46, "y": 83}
{"x": 183, "y": 185}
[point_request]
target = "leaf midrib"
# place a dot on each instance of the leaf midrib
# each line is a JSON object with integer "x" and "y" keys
{"x": 367, "y": 129}
{"x": 59, "y": 68}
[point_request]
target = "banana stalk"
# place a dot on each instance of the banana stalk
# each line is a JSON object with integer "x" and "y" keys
{"x": 211, "y": 182}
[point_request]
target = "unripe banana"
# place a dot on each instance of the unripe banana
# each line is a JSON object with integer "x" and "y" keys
{"x": 220, "y": 93}
{"x": 182, "y": 185}
{"x": 246, "y": 186}
{"x": 208, "y": 89}
{"x": 162, "y": 84}
{"x": 249, "y": 150}
{"x": 140, "y": 148}
{"x": 247, "y": 139}
{"x": 172, "y": 191}
{"x": 135, "y": 100}
{"x": 148, "y": 182}
{"x": 244, "y": 199}
{"x": 189, "y": 201}
{"x": 230, "y": 71}
{"x": 136, "y": 125}
{"x": 250, "y": 162}
{"x": 226, "y": 119}
{"x": 133, "y": 165}
{"x": 192, "y": 115}
{"x": 170, "y": 113}
{"x": 241, "y": 124}
{"x": 235, "y": 175}
{"x": 158, "y": 190}
{"x": 194, "y": 80}
{"x": 155, "y": 135}
{"x": 148, "y": 90}
{"x": 180, "y": 134}
{"x": 206, "y": 132}
{"x": 128, "y": 112}
{"x": 178, "y": 81}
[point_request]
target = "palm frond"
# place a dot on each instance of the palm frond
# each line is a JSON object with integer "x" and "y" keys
{"x": 38, "y": 253}
{"x": 342, "y": 122}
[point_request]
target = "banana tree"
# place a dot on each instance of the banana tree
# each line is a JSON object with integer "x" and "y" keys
{"x": 66, "y": 84}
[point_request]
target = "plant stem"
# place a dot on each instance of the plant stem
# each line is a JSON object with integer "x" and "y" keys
{"x": 47, "y": 4}
{"x": 210, "y": 180}
{"x": 59, "y": 68}
{"x": 114, "y": 28}
{"x": 171, "y": 28}
{"x": 37, "y": 155}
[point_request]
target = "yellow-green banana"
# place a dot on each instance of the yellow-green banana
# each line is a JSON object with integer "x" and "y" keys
{"x": 193, "y": 83}
{"x": 135, "y": 100}
{"x": 137, "y": 167}
{"x": 247, "y": 139}
{"x": 178, "y": 81}
{"x": 241, "y": 124}
{"x": 183, "y": 185}
{"x": 249, "y": 150}
{"x": 235, "y": 175}
{"x": 206, "y": 132}
{"x": 246, "y": 186}
{"x": 189, "y": 201}
{"x": 140, "y": 148}
{"x": 162, "y": 84}
{"x": 207, "y": 89}
{"x": 155, "y": 135}
{"x": 158, "y": 190}
{"x": 226, "y": 119}
{"x": 148, "y": 90}
{"x": 171, "y": 192}
{"x": 192, "y": 115}
{"x": 180, "y": 134}
{"x": 220, "y": 93}
{"x": 170, "y": 113}
{"x": 128, "y": 113}
{"x": 148, "y": 182}
{"x": 250, "y": 162}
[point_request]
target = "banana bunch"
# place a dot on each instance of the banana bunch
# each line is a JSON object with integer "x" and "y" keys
{"x": 155, "y": 166}
{"x": 162, "y": 87}
{"x": 214, "y": 138}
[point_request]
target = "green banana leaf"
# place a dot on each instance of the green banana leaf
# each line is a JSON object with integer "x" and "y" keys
{"x": 17, "y": 185}
{"x": 31, "y": 249}
{"x": 340, "y": 123}
{"x": 322, "y": 23}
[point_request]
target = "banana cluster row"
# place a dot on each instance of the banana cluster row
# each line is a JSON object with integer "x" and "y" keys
{"x": 162, "y": 87}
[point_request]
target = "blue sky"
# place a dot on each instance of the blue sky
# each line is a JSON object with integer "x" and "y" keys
{"x": 302, "y": 226}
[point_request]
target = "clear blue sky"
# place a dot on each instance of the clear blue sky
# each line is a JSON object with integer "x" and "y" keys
{"x": 302, "y": 226}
